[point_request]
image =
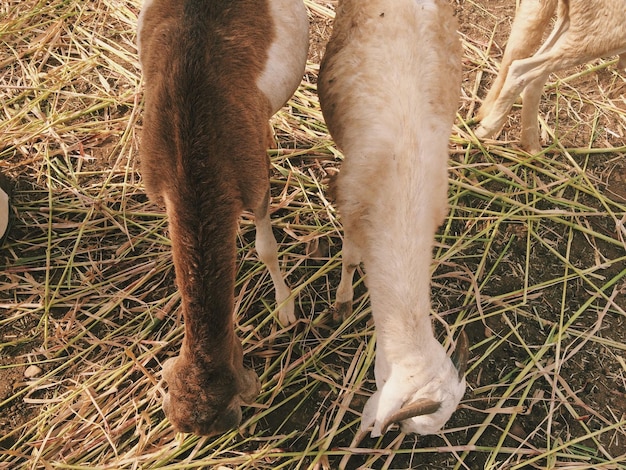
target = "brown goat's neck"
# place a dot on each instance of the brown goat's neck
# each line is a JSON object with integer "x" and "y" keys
{"x": 203, "y": 231}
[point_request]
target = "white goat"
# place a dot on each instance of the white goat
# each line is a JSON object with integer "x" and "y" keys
{"x": 584, "y": 30}
{"x": 389, "y": 87}
{"x": 215, "y": 71}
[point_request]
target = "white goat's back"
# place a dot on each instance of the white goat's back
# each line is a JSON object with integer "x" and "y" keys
{"x": 397, "y": 96}
{"x": 389, "y": 87}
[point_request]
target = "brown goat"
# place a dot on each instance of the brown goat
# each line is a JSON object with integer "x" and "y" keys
{"x": 215, "y": 72}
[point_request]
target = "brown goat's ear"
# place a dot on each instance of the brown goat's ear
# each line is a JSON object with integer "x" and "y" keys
{"x": 249, "y": 386}
{"x": 421, "y": 407}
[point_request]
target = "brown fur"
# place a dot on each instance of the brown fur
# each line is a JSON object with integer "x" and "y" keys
{"x": 204, "y": 155}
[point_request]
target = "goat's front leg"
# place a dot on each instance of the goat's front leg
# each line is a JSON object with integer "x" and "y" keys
{"x": 350, "y": 260}
{"x": 531, "y": 98}
{"x": 530, "y": 21}
{"x": 345, "y": 291}
{"x": 521, "y": 74}
{"x": 267, "y": 249}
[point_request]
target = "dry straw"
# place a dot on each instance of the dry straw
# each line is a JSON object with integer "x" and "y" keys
{"x": 531, "y": 263}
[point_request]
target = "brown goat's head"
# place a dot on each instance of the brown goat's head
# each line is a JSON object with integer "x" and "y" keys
{"x": 206, "y": 399}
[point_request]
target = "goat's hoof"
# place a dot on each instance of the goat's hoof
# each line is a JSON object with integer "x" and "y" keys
{"x": 341, "y": 312}
{"x": 532, "y": 147}
{"x": 286, "y": 313}
{"x": 483, "y": 133}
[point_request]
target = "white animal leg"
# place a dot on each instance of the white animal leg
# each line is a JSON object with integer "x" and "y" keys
{"x": 350, "y": 259}
{"x": 382, "y": 368}
{"x": 521, "y": 74}
{"x": 267, "y": 248}
{"x": 530, "y": 21}
{"x": 531, "y": 97}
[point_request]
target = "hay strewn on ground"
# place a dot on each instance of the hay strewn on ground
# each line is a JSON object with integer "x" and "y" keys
{"x": 531, "y": 263}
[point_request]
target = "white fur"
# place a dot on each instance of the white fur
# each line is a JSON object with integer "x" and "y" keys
{"x": 142, "y": 14}
{"x": 287, "y": 53}
{"x": 267, "y": 249}
{"x": 584, "y": 30}
{"x": 279, "y": 80}
{"x": 389, "y": 88}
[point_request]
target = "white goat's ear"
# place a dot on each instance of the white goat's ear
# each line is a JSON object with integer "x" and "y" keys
{"x": 377, "y": 408}
{"x": 368, "y": 417}
{"x": 384, "y": 403}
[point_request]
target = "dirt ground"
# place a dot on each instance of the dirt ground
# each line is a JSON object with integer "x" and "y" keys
{"x": 597, "y": 374}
